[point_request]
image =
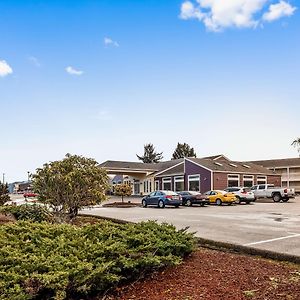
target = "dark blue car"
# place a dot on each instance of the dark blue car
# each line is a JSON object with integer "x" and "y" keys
{"x": 162, "y": 198}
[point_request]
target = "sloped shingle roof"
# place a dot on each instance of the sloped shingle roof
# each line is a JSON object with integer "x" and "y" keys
{"x": 231, "y": 166}
{"x": 273, "y": 163}
{"x": 114, "y": 165}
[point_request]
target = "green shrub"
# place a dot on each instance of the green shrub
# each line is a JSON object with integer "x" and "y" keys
{"x": 33, "y": 212}
{"x": 51, "y": 261}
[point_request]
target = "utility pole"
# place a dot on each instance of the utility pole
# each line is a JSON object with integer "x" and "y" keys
{"x": 28, "y": 175}
{"x": 3, "y": 176}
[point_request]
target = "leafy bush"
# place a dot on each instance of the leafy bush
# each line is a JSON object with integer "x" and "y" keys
{"x": 51, "y": 261}
{"x": 34, "y": 212}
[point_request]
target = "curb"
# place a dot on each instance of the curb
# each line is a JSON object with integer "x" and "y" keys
{"x": 215, "y": 245}
{"x": 223, "y": 246}
{"x": 118, "y": 221}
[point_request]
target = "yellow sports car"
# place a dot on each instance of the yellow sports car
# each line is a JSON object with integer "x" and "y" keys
{"x": 220, "y": 197}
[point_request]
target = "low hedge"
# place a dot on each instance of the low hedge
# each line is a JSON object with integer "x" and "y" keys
{"x": 55, "y": 261}
{"x": 29, "y": 212}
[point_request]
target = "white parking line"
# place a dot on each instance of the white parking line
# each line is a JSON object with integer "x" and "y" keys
{"x": 273, "y": 240}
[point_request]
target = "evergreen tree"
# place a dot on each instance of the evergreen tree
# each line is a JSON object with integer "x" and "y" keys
{"x": 4, "y": 193}
{"x": 150, "y": 155}
{"x": 296, "y": 144}
{"x": 70, "y": 184}
{"x": 183, "y": 150}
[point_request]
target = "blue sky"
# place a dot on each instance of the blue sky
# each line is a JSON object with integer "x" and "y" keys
{"x": 223, "y": 79}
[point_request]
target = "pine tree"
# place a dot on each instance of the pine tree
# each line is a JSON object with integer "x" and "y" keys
{"x": 296, "y": 144}
{"x": 4, "y": 193}
{"x": 183, "y": 150}
{"x": 150, "y": 155}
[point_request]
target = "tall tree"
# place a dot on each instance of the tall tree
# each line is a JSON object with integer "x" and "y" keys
{"x": 296, "y": 144}
{"x": 150, "y": 155}
{"x": 4, "y": 193}
{"x": 183, "y": 150}
{"x": 70, "y": 184}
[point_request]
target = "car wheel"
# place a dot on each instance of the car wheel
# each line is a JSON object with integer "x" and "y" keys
{"x": 219, "y": 202}
{"x": 285, "y": 200}
{"x": 247, "y": 202}
{"x": 202, "y": 204}
{"x": 144, "y": 203}
{"x": 176, "y": 206}
{"x": 238, "y": 200}
{"x": 161, "y": 204}
{"x": 276, "y": 197}
{"x": 189, "y": 202}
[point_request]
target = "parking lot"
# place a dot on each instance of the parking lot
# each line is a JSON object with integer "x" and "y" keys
{"x": 263, "y": 225}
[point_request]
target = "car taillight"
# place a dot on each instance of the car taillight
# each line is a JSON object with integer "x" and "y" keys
{"x": 243, "y": 192}
{"x": 285, "y": 190}
{"x": 169, "y": 197}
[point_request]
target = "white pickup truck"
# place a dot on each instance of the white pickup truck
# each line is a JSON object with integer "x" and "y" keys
{"x": 270, "y": 191}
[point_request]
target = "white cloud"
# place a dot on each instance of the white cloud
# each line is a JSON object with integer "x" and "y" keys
{"x": 73, "y": 71}
{"x": 279, "y": 10}
{"x": 34, "y": 61}
{"x": 5, "y": 68}
{"x": 109, "y": 42}
{"x": 220, "y": 14}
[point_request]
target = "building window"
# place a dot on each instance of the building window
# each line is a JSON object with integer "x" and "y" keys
{"x": 248, "y": 180}
{"x": 156, "y": 185}
{"x": 194, "y": 183}
{"x": 179, "y": 183}
{"x": 150, "y": 186}
{"x": 261, "y": 179}
{"x": 167, "y": 183}
{"x": 233, "y": 180}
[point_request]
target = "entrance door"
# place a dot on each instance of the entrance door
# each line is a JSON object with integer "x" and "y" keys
{"x": 137, "y": 189}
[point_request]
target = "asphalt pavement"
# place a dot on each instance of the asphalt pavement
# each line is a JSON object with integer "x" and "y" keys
{"x": 264, "y": 224}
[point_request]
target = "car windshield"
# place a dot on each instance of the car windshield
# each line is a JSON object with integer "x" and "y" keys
{"x": 194, "y": 193}
{"x": 170, "y": 193}
{"x": 222, "y": 192}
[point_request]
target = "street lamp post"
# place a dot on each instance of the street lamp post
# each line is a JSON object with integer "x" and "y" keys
{"x": 28, "y": 175}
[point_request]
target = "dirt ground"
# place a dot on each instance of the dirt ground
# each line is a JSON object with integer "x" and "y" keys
{"x": 211, "y": 274}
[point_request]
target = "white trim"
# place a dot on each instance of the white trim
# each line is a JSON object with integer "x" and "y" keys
{"x": 246, "y": 166}
{"x": 166, "y": 180}
{"x": 237, "y": 177}
{"x": 194, "y": 180}
{"x": 233, "y": 165}
{"x": 165, "y": 170}
{"x": 216, "y": 158}
{"x": 238, "y": 172}
{"x": 248, "y": 179}
{"x": 218, "y": 164}
{"x": 177, "y": 179}
{"x": 156, "y": 182}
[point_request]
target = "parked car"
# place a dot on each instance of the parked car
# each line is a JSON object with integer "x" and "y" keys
{"x": 189, "y": 198}
{"x": 162, "y": 198}
{"x": 270, "y": 191}
{"x": 29, "y": 195}
{"x": 242, "y": 194}
{"x": 220, "y": 197}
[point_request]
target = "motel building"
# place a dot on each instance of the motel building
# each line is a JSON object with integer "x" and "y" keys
{"x": 190, "y": 174}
